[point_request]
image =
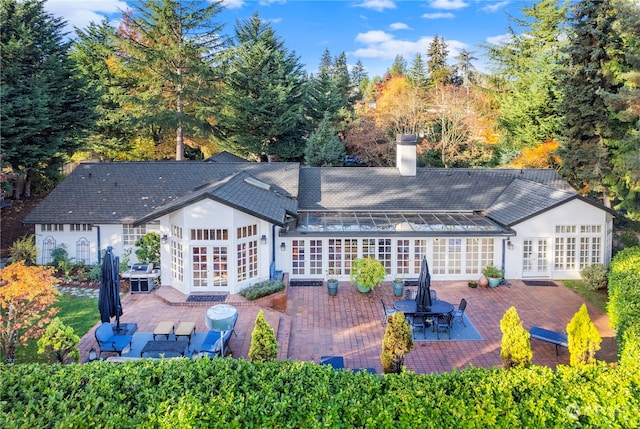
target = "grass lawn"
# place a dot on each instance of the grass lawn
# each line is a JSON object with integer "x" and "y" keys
{"x": 79, "y": 312}
{"x": 596, "y": 297}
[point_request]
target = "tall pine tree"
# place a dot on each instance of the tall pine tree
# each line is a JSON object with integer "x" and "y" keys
{"x": 45, "y": 108}
{"x": 170, "y": 47}
{"x": 585, "y": 148}
{"x": 264, "y": 108}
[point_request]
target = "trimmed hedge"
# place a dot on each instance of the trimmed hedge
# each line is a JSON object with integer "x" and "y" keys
{"x": 261, "y": 289}
{"x": 231, "y": 393}
{"x": 624, "y": 292}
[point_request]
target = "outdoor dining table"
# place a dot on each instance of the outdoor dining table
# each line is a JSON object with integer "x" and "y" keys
{"x": 166, "y": 348}
{"x": 409, "y": 306}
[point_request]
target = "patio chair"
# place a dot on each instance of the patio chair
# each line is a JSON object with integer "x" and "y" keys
{"x": 433, "y": 294}
{"x": 109, "y": 342}
{"x": 418, "y": 322}
{"x": 459, "y": 312}
{"x": 386, "y": 312}
{"x": 443, "y": 324}
{"x": 409, "y": 294}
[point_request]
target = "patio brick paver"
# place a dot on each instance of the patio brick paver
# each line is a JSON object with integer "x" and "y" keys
{"x": 350, "y": 324}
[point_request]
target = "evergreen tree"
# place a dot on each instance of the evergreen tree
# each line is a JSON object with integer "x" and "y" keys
{"x": 264, "y": 345}
{"x": 95, "y": 52}
{"x": 60, "y": 343}
{"x": 324, "y": 148}
{"x": 396, "y": 344}
{"x": 584, "y": 338}
{"x": 358, "y": 77}
{"x": 516, "y": 348}
{"x": 170, "y": 47}
{"x": 465, "y": 69}
{"x": 528, "y": 66}
{"x": 264, "y": 109}
{"x": 585, "y": 151}
{"x": 342, "y": 79}
{"x": 437, "y": 55}
{"x": 399, "y": 66}
{"x": 418, "y": 71}
{"x": 623, "y": 182}
{"x": 45, "y": 108}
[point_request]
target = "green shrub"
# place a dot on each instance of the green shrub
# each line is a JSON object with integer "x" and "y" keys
{"x": 492, "y": 272}
{"x": 235, "y": 393}
{"x": 261, "y": 289}
{"x": 595, "y": 277}
{"x": 95, "y": 272}
{"x": 516, "y": 347}
{"x": 624, "y": 292}
{"x": 60, "y": 343}
{"x": 630, "y": 355}
{"x": 24, "y": 249}
{"x": 584, "y": 338}
{"x": 148, "y": 251}
{"x": 396, "y": 344}
{"x": 264, "y": 345}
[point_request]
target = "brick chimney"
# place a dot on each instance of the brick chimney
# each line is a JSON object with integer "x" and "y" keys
{"x": 406, "y": 154}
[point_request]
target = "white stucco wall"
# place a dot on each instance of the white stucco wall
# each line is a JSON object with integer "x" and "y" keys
{"x": 208, "y": 214}
{"x": 575, "y": 212}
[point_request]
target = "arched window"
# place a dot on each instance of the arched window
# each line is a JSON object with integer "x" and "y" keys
{"x": 83, "y": 249}
{"x": 48, "y": 244}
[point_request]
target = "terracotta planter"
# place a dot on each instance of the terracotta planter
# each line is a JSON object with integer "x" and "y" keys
{"x": 483, "y": 282}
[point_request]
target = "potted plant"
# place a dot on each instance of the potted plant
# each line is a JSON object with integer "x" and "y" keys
{"x": 473, "y": 284}
{"x": 494, "y": 274}
{"x": 367, "y": 273}
{"x": 332, "y": 283}
{"x": 398, "y": 286}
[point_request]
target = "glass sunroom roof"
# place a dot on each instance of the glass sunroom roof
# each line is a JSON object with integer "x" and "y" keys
{"x": 331, "y": 222}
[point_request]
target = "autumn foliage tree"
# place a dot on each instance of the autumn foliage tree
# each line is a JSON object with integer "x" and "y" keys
{"x": 26, "y": 298}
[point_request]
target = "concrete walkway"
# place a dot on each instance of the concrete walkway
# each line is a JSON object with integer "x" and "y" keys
{"x": 311, "y": 323}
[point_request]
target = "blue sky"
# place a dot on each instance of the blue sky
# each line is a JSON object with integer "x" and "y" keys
{"x": 372, "y": 31}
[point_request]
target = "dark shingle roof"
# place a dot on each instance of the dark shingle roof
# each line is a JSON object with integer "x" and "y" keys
{"x": 523, "y": 199}
{"x": 128, "y": 192}
{"x": 123, "y": 192}
{"x": 225, "y": 156}
{"x": 430, "y": 190}
{"x": 240, "y": 192}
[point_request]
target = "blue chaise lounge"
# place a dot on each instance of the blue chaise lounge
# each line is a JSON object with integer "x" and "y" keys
{"x": 109, "y": 342}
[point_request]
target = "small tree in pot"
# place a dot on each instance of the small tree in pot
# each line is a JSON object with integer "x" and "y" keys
{"x": 367, "y": 273}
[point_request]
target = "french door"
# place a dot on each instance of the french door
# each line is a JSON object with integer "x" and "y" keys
{"x": 535, "y": 257}
{"x": 210, "y": 268}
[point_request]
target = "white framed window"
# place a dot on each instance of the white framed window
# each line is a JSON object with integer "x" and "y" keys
{"x": 131, "y": 234}
{"x": 479, "y": 254}
{"x": 334, "y": 256}
{"x": 403, "y": 257}
{"x": 52, "y": 227}
{"x": 565, "y": 253}
{"x": 177, "y": 260}
{"x": 315, "y": 257}
{"x": 204, "y": 234}
{"x": 297, "y": 257}
{"x": 368, "y": 248}
{"x": 176, "y": 231}
{"x": 419, "y": 252}
{"x": 220, "y": 265}
{"x": 447, "y": 256}
{"x": 83, "y": 227}
{"x": 247, "y": 252}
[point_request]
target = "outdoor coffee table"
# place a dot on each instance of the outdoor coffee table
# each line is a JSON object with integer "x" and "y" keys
{"x": 166, "y": 348}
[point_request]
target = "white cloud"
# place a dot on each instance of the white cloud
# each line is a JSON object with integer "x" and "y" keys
{"x": 438, "y": 15}
{"x": 399, "y": 26}
{"x": 378, "y": 5}
{"x": 270, "y": 2}
{"x": 233, "y": 4}
{"x": 81, "y": 13}
{"x": 499, "y": 39}
{"x": 381, "y": 45}
{"x": 274, "y": 20}
{"x": 448, "y": 4}
{"x": 491, "y": 8}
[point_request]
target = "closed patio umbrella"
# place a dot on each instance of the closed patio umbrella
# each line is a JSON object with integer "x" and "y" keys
{"x": 423, "y": 297}
{"x": 109, "y": 301}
